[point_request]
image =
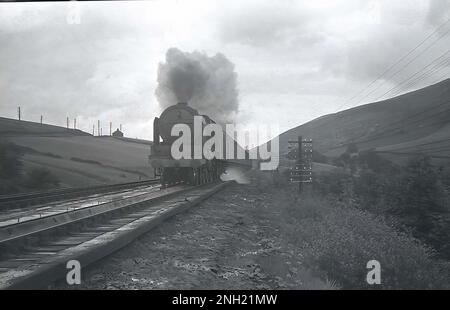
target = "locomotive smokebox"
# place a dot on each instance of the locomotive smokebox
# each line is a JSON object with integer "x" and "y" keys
{"x": 180, "y": 113}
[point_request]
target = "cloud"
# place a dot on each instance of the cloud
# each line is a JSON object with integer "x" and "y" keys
{"x": 267, "y": 24}
{"x": 90, "y": 71}
{"x": 293, "y": 59}
{"x": 438, "y": 13}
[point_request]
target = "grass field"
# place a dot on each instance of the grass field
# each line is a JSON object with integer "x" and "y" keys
{"x": 78, "y": 158}
{"x": 412, "y": 119}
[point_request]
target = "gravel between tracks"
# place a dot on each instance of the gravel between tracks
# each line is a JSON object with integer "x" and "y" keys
{"x": 237, "y": 239}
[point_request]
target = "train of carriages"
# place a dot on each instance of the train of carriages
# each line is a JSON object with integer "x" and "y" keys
{"x": 188, "y": 171}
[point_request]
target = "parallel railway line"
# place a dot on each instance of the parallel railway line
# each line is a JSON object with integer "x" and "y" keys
{"x": 35, "y": 250}
{"x": 28, "y": 199}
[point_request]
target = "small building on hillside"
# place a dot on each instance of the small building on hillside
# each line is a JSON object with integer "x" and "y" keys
{"x": 117, "y": 133}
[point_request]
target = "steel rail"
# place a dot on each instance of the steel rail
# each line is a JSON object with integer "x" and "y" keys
{"x": 38, "y": 265}
{"x": 28, "y": 199}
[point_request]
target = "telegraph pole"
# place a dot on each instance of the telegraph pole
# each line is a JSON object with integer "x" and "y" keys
{"x": 299, "y": 162}
{"x": 110, "y": 128}
{"x": 302, "y": 171}
{"x": 41, "y": 119}
{"x": 93, "y": 130}
{"x": 67, "y": 121}
{"x": 307, "y": 161}
{"x": 75, "y": 123}
{"x": 98, "y": 128}
{"x": 18, "y": 113}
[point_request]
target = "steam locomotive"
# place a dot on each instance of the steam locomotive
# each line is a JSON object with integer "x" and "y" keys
{"x": 173, "y": 171}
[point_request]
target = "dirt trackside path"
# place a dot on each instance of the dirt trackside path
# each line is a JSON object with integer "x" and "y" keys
{"x": 237, "y": 239}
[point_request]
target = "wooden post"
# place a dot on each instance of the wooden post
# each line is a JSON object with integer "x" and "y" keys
{"x": 302, "y": 171}
{"x": 300, "y": 160}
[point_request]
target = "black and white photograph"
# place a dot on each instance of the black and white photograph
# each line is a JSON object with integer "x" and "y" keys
{"x": 225, "y": 152}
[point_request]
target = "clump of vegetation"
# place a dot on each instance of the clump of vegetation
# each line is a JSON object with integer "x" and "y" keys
{"x": 372, "y": 209}
{"x": 338, "y": 241}
{"x": 320, "y": 158}
{"x": 10, "y": 168}
{"x": 415, "y": 198}
{"x": 12, "y": 178}
{"x": 41, "y": 179}
{"x": 336, "y": 238}
{"x": 86, "y": 161}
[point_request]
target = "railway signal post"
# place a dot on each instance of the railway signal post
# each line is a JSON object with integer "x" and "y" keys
{"x": 301, "y": 173}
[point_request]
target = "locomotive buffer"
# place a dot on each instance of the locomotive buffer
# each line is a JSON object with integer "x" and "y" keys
{"x": 302, "y": 171}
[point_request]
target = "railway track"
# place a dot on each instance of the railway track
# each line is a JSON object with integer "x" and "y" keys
{"x": 34, "y": 198}
{"x": 26, "y": 213}
{"x": 35, "y": 249}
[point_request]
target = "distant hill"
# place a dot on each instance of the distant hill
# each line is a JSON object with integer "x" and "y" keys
{"x": 400, "y": 127}
{"x": 76, "y": 157}
{"x": 13, "y": 127}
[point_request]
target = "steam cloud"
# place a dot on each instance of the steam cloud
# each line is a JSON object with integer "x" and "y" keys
{"x": 207, "y": 84}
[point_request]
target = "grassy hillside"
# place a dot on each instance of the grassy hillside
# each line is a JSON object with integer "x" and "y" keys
{"x": 75, "y": 157}
{"x": 12, "y": 127}
{"x": 418, "y": 120}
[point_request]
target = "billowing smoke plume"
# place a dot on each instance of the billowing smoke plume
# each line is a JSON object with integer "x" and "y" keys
{"x": 207, "y": 84}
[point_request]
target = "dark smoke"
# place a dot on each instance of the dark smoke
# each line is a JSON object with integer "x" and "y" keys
{"x": 208, "y": 84}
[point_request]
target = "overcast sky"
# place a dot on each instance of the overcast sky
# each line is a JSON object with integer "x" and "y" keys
{"x": 295, "y": 60}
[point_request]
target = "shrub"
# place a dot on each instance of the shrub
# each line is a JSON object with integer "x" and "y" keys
{"x": 352, "y": 148}
{"x": 320, "y": 158}
{"x": 415, "y": 198}
{"x": 86, "y": 161}
{"x": 41, "y": 179}
{"x": 331, "y": 183}
{"x": 421, "y": 202}
{"x": 10, "y": 168}
{"x": 337, "y": 242}
{"x": 10, "y": 163}
{"x": 375, "y": 163}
